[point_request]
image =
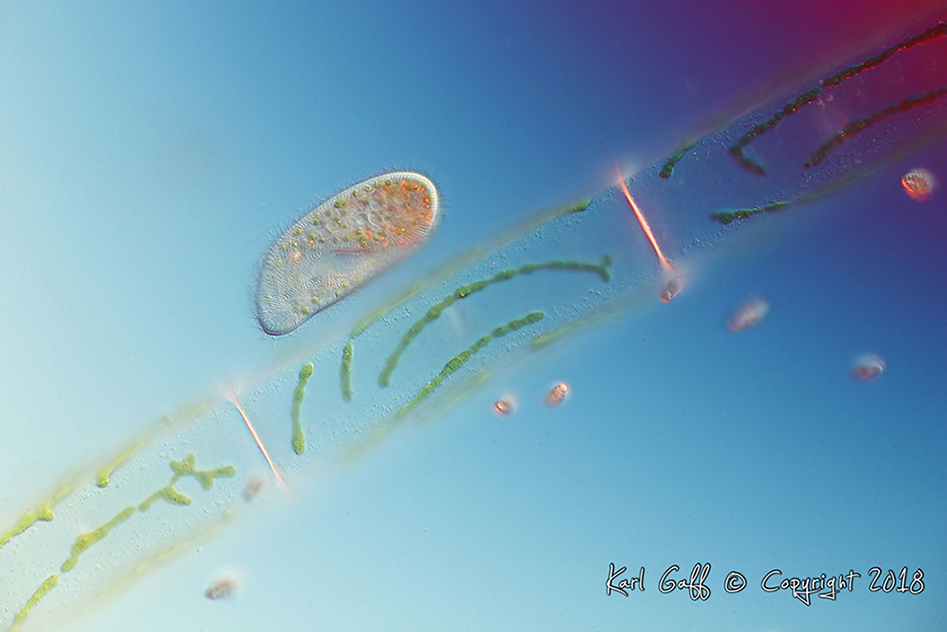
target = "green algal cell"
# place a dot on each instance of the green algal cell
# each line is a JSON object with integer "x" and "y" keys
{"x": 167, "y": 494}
{"x": 48, "y": 584}
{"x": 345, "y": 373}
{"x": 461, "y": 358}
{"x": 602, "y": 270}
{"x": 87, "y": 540}
{"x": 500, "y": 331}
{"x": 932, "y": 33}
{"x": 204, "y": 477}
{"x": 725, "y": 217}
{"x": 736, "y": 151}
{"x": 44, "y": 513}
{"x": 464, "y": 259}
{"x": 299, "y": 439}
{"x": 859, "y": 125}
{"x": 104, "y": 475}
{"x": 668, "y": 169}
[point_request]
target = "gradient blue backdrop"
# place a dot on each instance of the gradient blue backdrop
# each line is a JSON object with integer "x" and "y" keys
{"x": 148, "y": 152}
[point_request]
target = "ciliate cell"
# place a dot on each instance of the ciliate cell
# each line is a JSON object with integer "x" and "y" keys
{"x": 750, "y": 313}
{"x": 253, "y": 487}
{"x": 503, "y": 406}
{"x": 221, "y": 588}
{"x": 557, "y": 394}
{"x": 868, "y": 367}
{"x": 341, "y": 245}
{"x": 702, "y": 195}
{"x": 670, "y": 289}
{"x": 919, "y": 184}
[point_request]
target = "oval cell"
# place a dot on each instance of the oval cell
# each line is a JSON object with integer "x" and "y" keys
{"x": 867, "y": 367}
{"x": 750, "y": 313}
{"x": 503, "y": 406}
{"x": 557, "y": 394}
{"x": 919, "y": 184}
{"x": 221, "y": 588}
{"x": 340, "y": 245}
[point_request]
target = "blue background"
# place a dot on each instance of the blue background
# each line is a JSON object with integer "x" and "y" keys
{"x": 150, "y": 152}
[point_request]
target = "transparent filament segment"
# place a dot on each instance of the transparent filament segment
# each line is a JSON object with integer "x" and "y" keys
{"x": 473, "y": 316}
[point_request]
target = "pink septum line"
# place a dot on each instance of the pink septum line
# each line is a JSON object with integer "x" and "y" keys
{"x": 646, "y": 228}
{"x": 256, "y": 438}
{"x": 676, "y": 280}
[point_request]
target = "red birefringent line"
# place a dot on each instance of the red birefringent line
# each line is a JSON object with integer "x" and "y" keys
{"x": 256, "y": 438}
{"x": 644, "y": 226}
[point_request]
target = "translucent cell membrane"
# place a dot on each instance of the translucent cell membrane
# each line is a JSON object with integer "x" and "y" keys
{"x": 449, "y": 332}
{"x": 919, "y": 184}
{"x": 342, "y": 244}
